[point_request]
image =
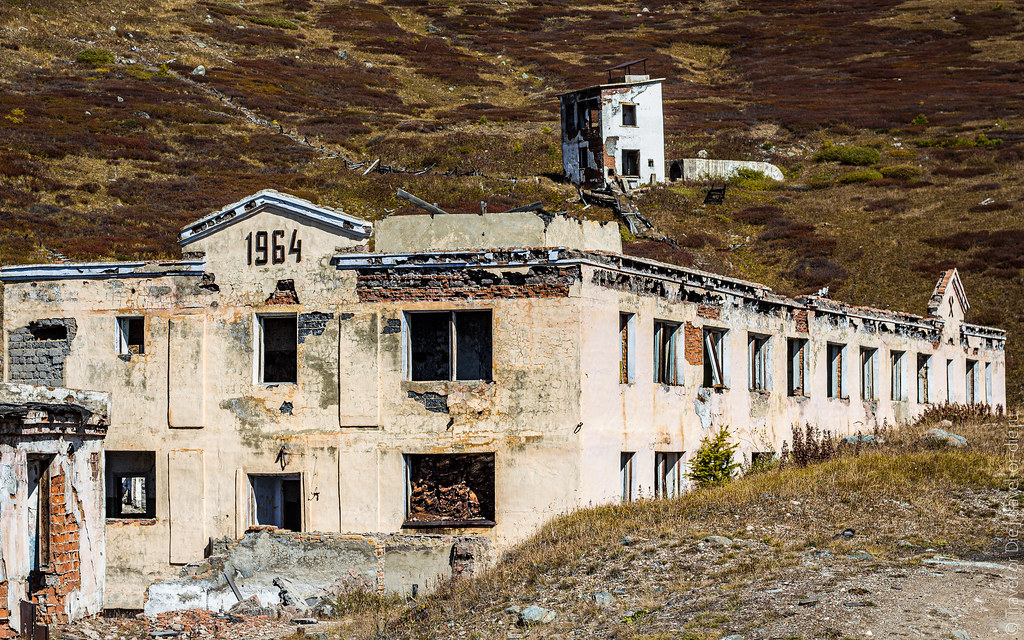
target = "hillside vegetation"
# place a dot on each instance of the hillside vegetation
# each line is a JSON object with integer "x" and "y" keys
{"x": 897, "y": 123}
{"x": 832, "y": 549}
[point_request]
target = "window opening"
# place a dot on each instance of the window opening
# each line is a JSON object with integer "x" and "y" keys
{"x": 714, "y": 363}
{"x": 668, "y": 478}
{"x": 631, "y": 163}
{"x": 835, "y": 370}
{"x": 988, "y": 383}
{"x": 759, "y": 361}
{"x": 950, "y": 386}
{"x": 131, "y": 335}
{"x": 278, "y": 349}
{"x": 867, "y": 373}
{"x": 972, "y": 382}
{"x": 584, "y": 162}
{"x": 665, "y": 370}
{"x": 923, "y": 367}
{"x": 276, "y": 500}
{"x": 450, "y": 489}
{"x": 39, "y": 516}
{"x": 629, "y": 115}
{"x": 626, "y": 474}
{"x": 627, "y": 324}
{"x": 796, "y": 350}
{"x": 447, "y": 342}
{"x": 130, "y": 483}
{"x": 896, "y": 375}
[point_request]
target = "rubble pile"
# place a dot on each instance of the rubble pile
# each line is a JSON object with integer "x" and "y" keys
{"x": 445, "y": 488}
{"x": 191, "y": 623}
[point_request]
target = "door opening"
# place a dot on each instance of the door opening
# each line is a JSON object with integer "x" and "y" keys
{"x": 277, "y": 500}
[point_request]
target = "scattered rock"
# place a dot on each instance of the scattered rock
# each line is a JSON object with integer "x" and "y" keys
{"x": 303, "y": 621}
{"x": 846, "y": 534}
{"x": 943, "y": 437}
{"x": 809, "y": 602}
{"x": 512, "y": 609}
{"x": 199, "y": 71}
{"x": 703, "y": 153}
{"x": 860, "y": 554}
{"x": 946, "y": 423}
{"x": 289, "y": 597}
{"x": 960, "y": 634}
{"x": 734, "y": 636}
{"x": 536, "y": 615}
{"x": 863, "y": 438}
{"x": 343, "y": 55}
{"x": 903, "y": 544}
{"x": 721, "y": 541}
{"x": 604, "y": 599}
{"x": 432, "y": 29}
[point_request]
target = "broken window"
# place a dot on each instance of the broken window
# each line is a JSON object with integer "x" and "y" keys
{"x": 278, "y": 349}
{"x": 629, "y": 115}
{"x": 868, "y": 362}
{"x": 130, "y": 335}
{"x": 449, "y": 489}
{"x": 627, "y": 333}
{"x": 626, "y": 474}
{"x": 131, "y": 484}
{"x": 450, "y": 342}
{"x": 796, "y": 363}
{"x": 276, "y": 500}
{"x": 665, "y": 369}
{"x": 584, "y": 162}
{"x": 714, "y": 360}
{"x": 923, "y": 375}
{"x": 950, "y": 385}
{"x": 988, "y": 383}
{"x": 668, "y": 470}
{"x": 39, "y": 516}
{"x": 48, "y": 331}
{"x": 836, "y": 368}
{"x": 759, "y": 361}
{"x": 896, "y": 376}
{"x": 971, "y": 375}
{"x": 631, "y": 163}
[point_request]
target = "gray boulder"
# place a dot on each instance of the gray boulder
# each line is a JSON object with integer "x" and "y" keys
{"x": 604, "y": 599}
{"x": 942, "y": 437}
{"x": 721, "y": 541}
{"x": 536, "y": 615}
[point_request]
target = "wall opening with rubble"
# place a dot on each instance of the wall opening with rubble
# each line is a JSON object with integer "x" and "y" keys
{"x": 450, "y": 489}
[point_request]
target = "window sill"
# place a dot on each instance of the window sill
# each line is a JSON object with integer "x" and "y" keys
{"x": 140, "y": 522}
{"x": 271, "y": 385}
{"x": 448, "y": 524}
{"x": 718, "y": 388}
{"x": 763, "y": 392}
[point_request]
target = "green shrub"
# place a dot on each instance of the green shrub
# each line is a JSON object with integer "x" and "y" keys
{"x": 857, "y": 156}
{"x": 270, "y": 21}
{"x": 860, "y": 175}
{"x": 626, "y": 235}
{"x": 96, "y": 56}
{"x": 752, "y": 180}
{"x": 920, "y": 119}
{"x": 713, "y": 463}
{"x": 901, "y": 171}
{"x": 981, "y": 140}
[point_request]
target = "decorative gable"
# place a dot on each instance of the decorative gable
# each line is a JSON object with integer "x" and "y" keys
{"x": 332, "y": 220}
{"x": 948, "y": 299}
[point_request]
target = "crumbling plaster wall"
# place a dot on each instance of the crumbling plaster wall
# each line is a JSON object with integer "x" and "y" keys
{"x": 648, "y": 136}
{"x": 416, "y": 233}
{"x": 76, "y": 581}
{"x": 645, "y": 416}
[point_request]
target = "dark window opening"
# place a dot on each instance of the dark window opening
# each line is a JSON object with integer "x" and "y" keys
{"x": 130, "y": 335}
{"x": 631, "y": 163}
{"x": 626, "y": 475}
{"x": 279, "y": 349}
{"x": 665, "y": 370}
{"x": 584, "y": 161}
{"x": 669, "y": 477}
{"x": 760, "y": 363}
{"x": 450, "y": 489}
{"x": 836, "y": 366}
{"x": 48, "y": 331}
{"x": 714, "y": 360}
{"x": 627, "y": 323}
{"x": 629, "y": 115}
{"x": 39, "y": 516}
{"x": 923, "y": 366}
{"x": 447, "y": 342}
{"x": 277, "y": 500}
{"x": 131, "y": 484}
{"x": 971, "y": 396}
{"x": 796, "y": 351}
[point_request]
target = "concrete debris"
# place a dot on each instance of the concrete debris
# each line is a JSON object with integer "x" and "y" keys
{"x": 536, "y": 615}
{"x": 943, "y": 437}
{"x": 199, "y": 71}
{"x": 289, "y": 596}
{"x": 721, "y": 541}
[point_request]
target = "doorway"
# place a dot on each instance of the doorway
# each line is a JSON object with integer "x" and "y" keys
{"x": 39, "y": 514}
{"x": 276, "y": 500}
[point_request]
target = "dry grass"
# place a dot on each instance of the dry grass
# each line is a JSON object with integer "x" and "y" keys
{"x": 937, "y": 498}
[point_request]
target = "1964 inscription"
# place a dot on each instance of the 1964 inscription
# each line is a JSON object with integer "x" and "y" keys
{"x": 268, "y": 246}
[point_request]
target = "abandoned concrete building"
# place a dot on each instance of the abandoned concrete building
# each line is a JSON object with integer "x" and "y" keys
{"x": 51, "y": 531}
{"x": 473, "y": 375}
{"x": 615, "y": 130}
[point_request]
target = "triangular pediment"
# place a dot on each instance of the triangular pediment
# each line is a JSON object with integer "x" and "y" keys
{"x": 948, "y": 299}
{"x": 268, "y": 200}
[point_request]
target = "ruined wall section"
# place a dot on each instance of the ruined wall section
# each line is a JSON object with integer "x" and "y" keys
{"x": 464, "y": 284}
{"x": 38, "y": 351}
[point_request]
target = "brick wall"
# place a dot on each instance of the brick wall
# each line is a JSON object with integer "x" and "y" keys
{"x": 800, "y": 320}
{"x": 64, "y": 576}
{"x": 6, "y": 631}
{"x": 694, "y": 344}
{"x": 40, "y": 361}
{"x": 708, "y": 312}
{"x": 464, "y": 284}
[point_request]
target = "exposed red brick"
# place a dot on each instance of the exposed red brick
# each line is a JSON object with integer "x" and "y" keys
{"x": 800, "y": 320}
{"x": 708, "y": 312}
{"x": 694, "y": 344}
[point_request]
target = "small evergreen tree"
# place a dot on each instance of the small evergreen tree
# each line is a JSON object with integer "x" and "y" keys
{"x": 713, "y": 463}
